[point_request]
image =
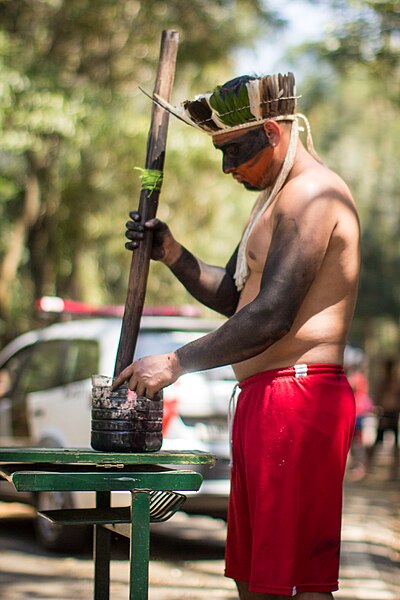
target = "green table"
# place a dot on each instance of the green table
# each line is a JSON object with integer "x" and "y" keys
{"x": 149, "y": 477}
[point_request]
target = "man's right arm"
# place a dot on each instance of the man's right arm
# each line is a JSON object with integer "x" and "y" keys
{"x": 212, "y": 286}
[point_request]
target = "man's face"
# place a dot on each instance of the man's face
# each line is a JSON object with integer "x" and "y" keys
{"x": 247, "y": 156}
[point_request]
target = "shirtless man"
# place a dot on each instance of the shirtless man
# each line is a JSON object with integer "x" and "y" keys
{"x": 285, "y": 336}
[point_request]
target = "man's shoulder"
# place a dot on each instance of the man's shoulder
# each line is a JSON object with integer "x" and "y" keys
{"x": 314, "y": 181}
{"x": 318, "y": 188}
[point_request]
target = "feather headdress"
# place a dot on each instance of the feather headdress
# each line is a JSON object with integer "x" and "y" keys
{"x": 242, "y": 102}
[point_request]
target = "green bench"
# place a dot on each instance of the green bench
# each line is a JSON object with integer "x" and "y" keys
{"x": 154, "y": 487}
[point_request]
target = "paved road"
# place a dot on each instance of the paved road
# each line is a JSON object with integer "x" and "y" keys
{"x": 187, "y": 553}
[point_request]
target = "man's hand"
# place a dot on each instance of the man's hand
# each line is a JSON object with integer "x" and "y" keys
{"x": 150, "y": 374}
{"x": 165, "y": 248}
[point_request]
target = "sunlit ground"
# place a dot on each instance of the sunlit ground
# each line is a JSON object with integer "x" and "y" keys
{"x": 187, "y": 552}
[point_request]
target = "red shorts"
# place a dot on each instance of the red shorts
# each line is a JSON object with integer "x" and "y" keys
{"x": 290, "y": 438}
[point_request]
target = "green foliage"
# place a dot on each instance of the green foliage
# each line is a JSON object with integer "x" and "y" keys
{"x": 73, "y": 125}
{"x": 353, "y": 103}
{"x": 366, "y": 34}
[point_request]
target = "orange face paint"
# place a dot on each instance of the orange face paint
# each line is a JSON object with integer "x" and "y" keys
{"x": 241, "y": 148}
{"x": 246, "y": 156}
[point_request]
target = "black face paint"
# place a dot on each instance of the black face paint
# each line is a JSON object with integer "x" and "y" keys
{"x": 243, "y": 148}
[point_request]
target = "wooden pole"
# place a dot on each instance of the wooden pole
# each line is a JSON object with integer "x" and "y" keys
{"x": 148, "y": 203}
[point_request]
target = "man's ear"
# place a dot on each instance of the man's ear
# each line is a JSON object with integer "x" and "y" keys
{"x": 273, "y": 132}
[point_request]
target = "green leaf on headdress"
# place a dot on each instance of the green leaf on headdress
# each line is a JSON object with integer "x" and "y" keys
{"x": 233, "y": 109}
{"x": 216, "y": 102}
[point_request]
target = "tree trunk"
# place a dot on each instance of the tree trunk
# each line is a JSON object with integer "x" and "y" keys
{"x": 43, "y": 239}
{"x": 13, "y": 255}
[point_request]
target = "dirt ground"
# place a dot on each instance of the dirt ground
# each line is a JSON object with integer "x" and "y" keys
{"x": 187, "y": 553}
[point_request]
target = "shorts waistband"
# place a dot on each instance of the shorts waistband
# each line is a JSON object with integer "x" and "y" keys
{"x": 301, "y": 370}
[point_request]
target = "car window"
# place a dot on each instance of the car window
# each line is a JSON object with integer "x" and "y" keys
{"x": 81, "y": 360}
{"x": 10, "y": 371}
{"x": 43, "y": 369}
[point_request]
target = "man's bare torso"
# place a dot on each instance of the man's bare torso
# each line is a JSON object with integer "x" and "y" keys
{"x": 321, "y": 327}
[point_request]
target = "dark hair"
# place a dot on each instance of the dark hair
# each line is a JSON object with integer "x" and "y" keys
{"x": 234, "y": 85}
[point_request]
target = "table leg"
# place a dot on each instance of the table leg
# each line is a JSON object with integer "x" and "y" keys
{"x": 102, "y": 552}
{"x": 140, "y": 546}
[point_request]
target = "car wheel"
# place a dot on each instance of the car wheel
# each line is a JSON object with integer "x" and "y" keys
{"x": 53, "y": 536}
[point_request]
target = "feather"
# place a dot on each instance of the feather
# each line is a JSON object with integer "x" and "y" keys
{"x": 232, "y": 107}
{"x": 215, "y": 116}
{"x": 291, "y": 106}
{"x": 173, "y": 110}
{"x": 282, "y": 103}
{"x": 253, "y": 90}
{"x": 265, "y": 97}
{"x": 200, "y": 112}
{"x": 273, "y": 93}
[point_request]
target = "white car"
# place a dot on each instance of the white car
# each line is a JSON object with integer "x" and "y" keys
{"x": 45, "y": 400}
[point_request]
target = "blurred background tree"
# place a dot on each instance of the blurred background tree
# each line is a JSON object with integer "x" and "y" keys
{"x": 73, "y": 125}
{"x": 353, "y": 103}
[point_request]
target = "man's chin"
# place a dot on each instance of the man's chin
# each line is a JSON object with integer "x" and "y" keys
{"x": 250, "y": 187}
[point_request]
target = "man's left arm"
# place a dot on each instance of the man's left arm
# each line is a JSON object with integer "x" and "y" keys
{"x": 300, "y": 237}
